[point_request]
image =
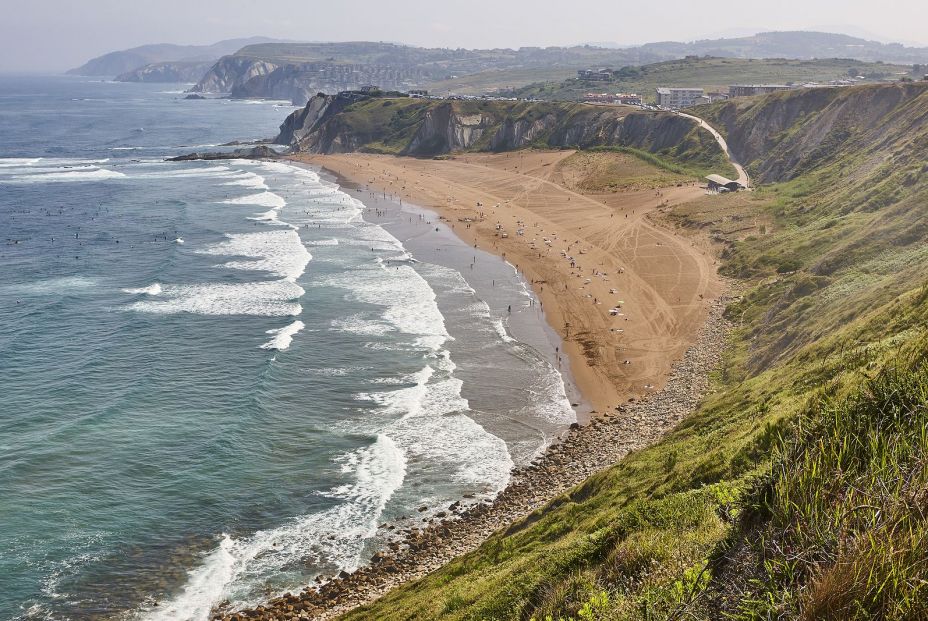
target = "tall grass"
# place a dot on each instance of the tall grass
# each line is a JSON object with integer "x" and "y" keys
{"x": 847, "y": 501}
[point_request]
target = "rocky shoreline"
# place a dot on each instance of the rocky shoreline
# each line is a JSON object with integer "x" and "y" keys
{"x": 582, "y": 452}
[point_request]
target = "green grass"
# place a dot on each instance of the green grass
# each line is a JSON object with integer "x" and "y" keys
{"x": 844, "y": 505}
{"x": 712, "y": 74}
{"x": 653, "y": 160}
{"x": 393, "y": 125}
{"x": 610, "y": 170}
{"x": 798, "y": 488}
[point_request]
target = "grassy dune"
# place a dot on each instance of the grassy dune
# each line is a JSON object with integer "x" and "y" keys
{"x": 798, "y": 488}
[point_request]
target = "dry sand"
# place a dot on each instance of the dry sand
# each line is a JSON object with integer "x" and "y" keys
{"x": 661, "y": 283}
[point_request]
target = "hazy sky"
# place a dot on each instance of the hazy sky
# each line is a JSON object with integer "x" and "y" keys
{"x": 52, "y": 35}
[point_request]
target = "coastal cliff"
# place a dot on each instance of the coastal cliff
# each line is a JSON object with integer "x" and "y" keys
{"x": 169, "y": 72}
{"x": 785, "y": 135}
{"x": 354, "y": 121}
{"x": 127, "y": 61}
{"x": 230, "y": 72}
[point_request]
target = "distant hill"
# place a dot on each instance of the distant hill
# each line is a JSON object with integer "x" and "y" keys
{"x": 169, "y": 72}
{"x": 298, "y": 70}
{"x": 125, "y": 61}
{"x": 261, "y": 67}
{"x": 794, "y": 44}
{"x": 713, "y": 74}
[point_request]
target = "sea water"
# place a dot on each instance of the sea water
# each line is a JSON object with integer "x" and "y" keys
{"x": 218, "y": 379}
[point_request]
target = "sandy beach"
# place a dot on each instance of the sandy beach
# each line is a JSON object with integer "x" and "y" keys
{"x": 638, "y": 308}
{"x": 626, "y": 295}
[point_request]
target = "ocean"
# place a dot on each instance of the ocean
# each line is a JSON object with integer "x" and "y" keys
{"x": 219, "y": 380}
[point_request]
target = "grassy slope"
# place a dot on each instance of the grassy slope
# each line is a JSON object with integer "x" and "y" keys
{"x": 611, "y": 171}
{"x": 762, "y": 504}
{"x": 712, "y": 74}
{"x": 495, "y": 80}
{"x": 387, "y": 125}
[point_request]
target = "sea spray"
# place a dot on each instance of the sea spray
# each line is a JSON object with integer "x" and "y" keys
{"x": 236, "y": 569}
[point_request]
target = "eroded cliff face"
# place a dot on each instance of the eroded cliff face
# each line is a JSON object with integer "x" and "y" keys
{"x": 167, "y": 72}
{"x": 353, "y": 122}
{"x": 444, "y": 130}
{"x": 290, "y": 82}
{"x": 781, "y": 136}
{"x": 314, "y": 129}
{"x": 231, "y": 72}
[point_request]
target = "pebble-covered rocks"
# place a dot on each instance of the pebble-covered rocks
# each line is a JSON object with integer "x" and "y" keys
{"x": 583, "y": 451}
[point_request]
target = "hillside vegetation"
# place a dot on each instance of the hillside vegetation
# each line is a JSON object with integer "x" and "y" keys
{"x": 425, "y": 128}
{"x": 798, "y": 488}
{"x": 712, "y": 74}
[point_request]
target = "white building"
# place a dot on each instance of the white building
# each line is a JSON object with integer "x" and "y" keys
{"x": 678, "y": 97}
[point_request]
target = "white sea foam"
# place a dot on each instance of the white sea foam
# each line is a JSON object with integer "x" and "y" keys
{"x": 153, "y": 289}
{"x": 407, "y": 299}
{"x": 550, "y": 398}
{"x": 279, "y": 252}
{"x": 359, "y": 323}
{"x": 283, "y": 336}
{"x": 35, "y": 170}
{"x": 63, "y": 284}
{"x": 273, "y": 298}
{"x": 264, "y": 199}
{"x": 173, "y": 172}
{"x": 16, "y": 162}
{"x": 435, "y": 432}
{"x": 323, "y": 242}
{"x": 271, "y": 217}
{"x": 249, "y": 180}
{"x": 423, "y": 424}
{"x": 334, "y": 536}
{"x": 89, "y": 174}
{"x": 335, "y": 371}
{"x": 500, "y": 328}
{"x": 58, "y": 162}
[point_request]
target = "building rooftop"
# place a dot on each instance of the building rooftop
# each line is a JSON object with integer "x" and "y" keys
{"x": 724, "y": 181}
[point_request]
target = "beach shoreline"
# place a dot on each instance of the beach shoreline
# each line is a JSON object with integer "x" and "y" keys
{"x": 582, "y": 452}
{"x": 526, "y": 323}
{"x": 618, "y": 419}
{"x": 626, "y": 295}
{"x": 606, "y": 435}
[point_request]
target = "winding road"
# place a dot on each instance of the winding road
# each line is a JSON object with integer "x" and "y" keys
{"x": 743, "y": 178}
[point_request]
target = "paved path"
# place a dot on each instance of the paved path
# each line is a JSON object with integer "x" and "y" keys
{"x": 743, "y": 178}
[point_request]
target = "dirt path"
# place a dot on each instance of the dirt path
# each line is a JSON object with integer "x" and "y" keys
{"x": 743, "y": 178}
